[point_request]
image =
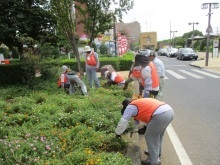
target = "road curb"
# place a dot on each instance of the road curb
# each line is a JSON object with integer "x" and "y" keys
{"x": 196, "y": 66}
{"x": 133, "y": 151}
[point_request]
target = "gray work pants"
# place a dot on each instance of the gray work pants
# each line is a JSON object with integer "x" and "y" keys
{"x": 92, "y": 75}
{"x": 75, "y": 79}
{"x": 160, "y": 93}
{"x": 154, "y": 134}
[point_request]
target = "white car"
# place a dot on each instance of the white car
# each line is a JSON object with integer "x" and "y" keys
{"x": 172, "y": 52}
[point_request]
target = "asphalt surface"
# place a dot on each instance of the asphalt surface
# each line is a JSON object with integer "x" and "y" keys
{"x": 137, "y": 142}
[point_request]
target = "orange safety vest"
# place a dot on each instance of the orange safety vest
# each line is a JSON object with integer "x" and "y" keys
{"x": 136, "y": 72}
{"x": 65, "y": 80}
{"x": 91, "y": 60}
{"x": 154, "y": 76}
{"x": 146, "y": 107}
{"x": 119, "y": 78}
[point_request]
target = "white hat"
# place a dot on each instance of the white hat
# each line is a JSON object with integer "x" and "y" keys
{"x": 106, "y": 73}
{"x": 64, "y": 68}
{"x": 87, "y": 48}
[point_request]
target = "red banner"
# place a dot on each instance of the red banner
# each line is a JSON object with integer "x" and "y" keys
{"x": 122, "y": 44}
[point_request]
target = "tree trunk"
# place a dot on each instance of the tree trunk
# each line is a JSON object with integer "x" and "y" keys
{"x": 76, "y": 53}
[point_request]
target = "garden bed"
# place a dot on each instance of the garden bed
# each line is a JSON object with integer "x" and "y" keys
{"x": 46, "y": 126}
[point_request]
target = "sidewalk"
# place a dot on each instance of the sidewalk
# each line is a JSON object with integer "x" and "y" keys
{"x": 213, "y": 62}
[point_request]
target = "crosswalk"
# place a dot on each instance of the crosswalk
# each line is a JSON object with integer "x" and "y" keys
{"x": 194, "y": 73}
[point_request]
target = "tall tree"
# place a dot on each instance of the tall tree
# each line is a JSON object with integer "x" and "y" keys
{"x": 30, "y": 17}
{"x": 97, "y": 16}
{"x": 63, "y": 10}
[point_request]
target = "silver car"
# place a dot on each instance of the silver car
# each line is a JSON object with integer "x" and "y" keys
{"x": 145, "y": 51}
{"x": 172, "y": 52}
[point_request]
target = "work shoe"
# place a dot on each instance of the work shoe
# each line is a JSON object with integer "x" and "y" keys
{"x": 145, "y": 162}
{"x": 125, "y": 87}
{"x": 147, "y": 153}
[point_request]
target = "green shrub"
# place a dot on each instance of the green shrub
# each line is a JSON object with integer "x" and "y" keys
{"x": 47, "y": 50}
{"x": 103, "y": 49}
{"x": 46, "y": 126}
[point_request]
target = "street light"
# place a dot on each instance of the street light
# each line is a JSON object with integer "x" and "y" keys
{"x": 209, "y": 28}
{"x": 175, "y": 31}
{"x": 192, "y": 23}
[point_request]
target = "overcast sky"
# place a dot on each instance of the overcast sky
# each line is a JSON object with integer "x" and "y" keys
{"x": 157, "y": 15}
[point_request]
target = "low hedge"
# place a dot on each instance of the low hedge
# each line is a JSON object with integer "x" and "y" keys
{"x": 14, "y": 73}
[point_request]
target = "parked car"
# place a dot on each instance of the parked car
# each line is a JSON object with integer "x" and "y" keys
{"x": 144, "y": 51}
{"x": 172, "y": 52}
{"x": 186, "y": 53}
{"x": 162, "y": 52}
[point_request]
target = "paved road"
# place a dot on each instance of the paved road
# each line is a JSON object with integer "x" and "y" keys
{"x": 192, "y": 135}
{"x": 194, "y": 97}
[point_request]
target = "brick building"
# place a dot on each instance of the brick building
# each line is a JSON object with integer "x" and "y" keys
{"x": 78, "y": 17}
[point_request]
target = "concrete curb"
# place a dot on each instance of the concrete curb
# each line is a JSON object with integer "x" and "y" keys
{"x": 133, "y": 151}
{"x": 196, "y": 66}
{"x": 207, "y": 69}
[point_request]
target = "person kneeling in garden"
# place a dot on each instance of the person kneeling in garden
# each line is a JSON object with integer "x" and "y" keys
{"x": 73, "y": 79}
{"x": 63, "y": 82}
{"x": 114, "y": 78}
{"x": 156, "y": 114}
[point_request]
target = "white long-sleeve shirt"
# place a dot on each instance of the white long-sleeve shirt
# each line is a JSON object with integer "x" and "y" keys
{"x": 160, "y": 67}
{"x": 132, "y": 110}
{"x": 146, "y": 75}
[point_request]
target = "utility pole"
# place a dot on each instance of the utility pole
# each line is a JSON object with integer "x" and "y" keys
{"x": 146, "y": 26}
{"x": 170, "y": 30}
{"x": 193, "y": 23}
{"x": 174, "y": 31}
{"x": 209, "y": 28}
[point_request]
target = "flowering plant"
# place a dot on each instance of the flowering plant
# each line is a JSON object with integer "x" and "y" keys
{"x": 47, "y": 126}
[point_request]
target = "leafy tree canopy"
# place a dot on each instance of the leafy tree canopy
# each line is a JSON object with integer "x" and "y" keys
{"x": 97, "y": 16}
{"x": 189, "y": 34}
{"x": 31, "y": 17}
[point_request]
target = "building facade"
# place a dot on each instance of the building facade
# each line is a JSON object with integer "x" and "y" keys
{"x": 148, "y": 40}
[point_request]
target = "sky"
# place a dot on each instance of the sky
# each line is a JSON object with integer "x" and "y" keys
{"x": 160, "y": 15}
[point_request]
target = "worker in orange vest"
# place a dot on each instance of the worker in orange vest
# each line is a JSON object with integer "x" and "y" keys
{"x": 150, "y": 80}
{"x": 63, "y": 80}
{"x": 114, "y": 78}
{"x": 135, "y": 75}
{"x": 160, "y": 72}
{"x": 156, "y": 114}
{"x": 69, "y": 80}
{"x": 92, "y": 66}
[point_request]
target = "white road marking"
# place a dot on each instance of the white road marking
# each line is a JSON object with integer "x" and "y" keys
{"x": 190, "y": 74}
{"x": 178, "y": 76}
{"x": 205, "y": 73}
{"x": 180, "y": 151}
{"x": 174, "y": 65}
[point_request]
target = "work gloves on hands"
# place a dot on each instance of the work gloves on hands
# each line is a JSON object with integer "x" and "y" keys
{"x": 118, "y": 136}
{"x": 142, "y": 131}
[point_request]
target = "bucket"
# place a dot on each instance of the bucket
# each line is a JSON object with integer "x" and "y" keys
{"x": 7, "y": 61}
